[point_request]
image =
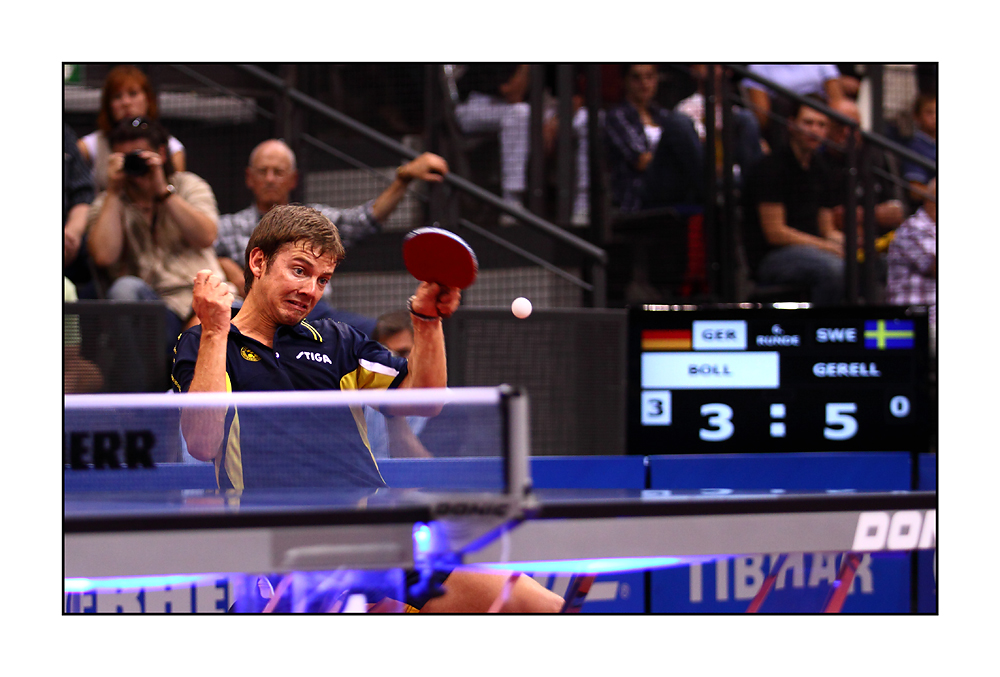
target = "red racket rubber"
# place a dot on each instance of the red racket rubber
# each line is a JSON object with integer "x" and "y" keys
{"x": 440, "y": 256}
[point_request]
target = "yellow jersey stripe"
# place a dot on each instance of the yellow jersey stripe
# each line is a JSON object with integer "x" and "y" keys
{"x": 233, "y": 457}
{"x": 313, "y": 331}
{"x": 356, "y": 380}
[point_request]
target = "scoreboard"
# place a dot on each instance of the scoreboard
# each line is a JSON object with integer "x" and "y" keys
{"x": 731, "y": 379}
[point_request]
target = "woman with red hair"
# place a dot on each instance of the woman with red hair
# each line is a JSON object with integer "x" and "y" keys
{"x": 126, "y": 94}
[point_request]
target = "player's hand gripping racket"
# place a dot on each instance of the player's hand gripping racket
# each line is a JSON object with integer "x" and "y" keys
{"x": 439, "y": 256}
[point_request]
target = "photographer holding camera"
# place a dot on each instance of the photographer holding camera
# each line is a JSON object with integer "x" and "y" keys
{"x": 153, "y": 229}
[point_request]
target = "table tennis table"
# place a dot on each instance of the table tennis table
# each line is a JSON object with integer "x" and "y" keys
{"x": 578, "y": 532}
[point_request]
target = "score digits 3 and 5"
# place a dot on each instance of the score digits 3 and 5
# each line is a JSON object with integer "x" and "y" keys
{"x": 717, "y": 420}
{"x": 775, "y": 380}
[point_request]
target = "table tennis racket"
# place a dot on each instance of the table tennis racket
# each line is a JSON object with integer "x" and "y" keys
{"x": 438, "y": 255}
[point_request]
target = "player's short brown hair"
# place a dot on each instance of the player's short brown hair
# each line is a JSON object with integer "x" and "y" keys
{"x": 285, "y": 224}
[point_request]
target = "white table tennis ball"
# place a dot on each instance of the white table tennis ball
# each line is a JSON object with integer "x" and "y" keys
{"x": 521, "y": 307}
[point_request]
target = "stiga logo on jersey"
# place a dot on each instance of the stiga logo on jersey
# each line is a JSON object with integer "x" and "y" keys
{"x": 249, "y": 355}
{"x": 903, "y": 530}
{"x": 315, "y": 357}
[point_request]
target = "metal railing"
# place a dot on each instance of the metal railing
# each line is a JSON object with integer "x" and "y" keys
{"x": 597, "y": 257}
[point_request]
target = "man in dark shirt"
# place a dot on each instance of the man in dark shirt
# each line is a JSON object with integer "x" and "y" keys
{"x": 790, "y": 234}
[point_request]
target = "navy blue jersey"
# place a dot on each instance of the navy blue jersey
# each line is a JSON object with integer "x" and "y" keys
{"x": 304, "y": 447}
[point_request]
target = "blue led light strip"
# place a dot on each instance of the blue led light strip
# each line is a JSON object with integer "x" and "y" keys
{"x": 126, "y": 583}
{"x": 587, "y": 566}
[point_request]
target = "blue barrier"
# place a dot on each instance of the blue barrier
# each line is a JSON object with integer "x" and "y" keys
{"x": 927, "y": 468}
{"x": 588, "y": 472}
{"x": 862, "y": 471}
{"x": 164, "y": 477}
{"x": 926, "y": 561}
{"x": 548, "y": 472}
{"x": 483, "y": 474}
{"x": 728, "y": 584}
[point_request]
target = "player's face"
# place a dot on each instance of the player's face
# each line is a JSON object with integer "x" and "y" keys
{"x": 270, "y": 176}
{"x": 129, "y": 102}
{"x": 294, "y": 283}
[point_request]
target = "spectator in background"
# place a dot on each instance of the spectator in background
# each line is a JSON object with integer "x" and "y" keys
{"x": 749, "y": 148}
{"x": 923, "y": 142}
{"x": 127, "y": 94}
{"x": 913, "y": 259}
{"x": 493, "y": 101}
{"x": 80, "y": 375}
{"x": 654, "y": 156}
{"x": 153, "y": 228}
{"x": 889, "y": 207}
{"x": 822, "y": 80}
{"x": 271, "y": 176}
{"x": 790, "y": 234}
{"x": 395, "y": 436}
{"x": 78, "y": 193}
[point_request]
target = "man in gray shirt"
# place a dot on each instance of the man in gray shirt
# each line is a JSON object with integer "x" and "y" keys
{"x": 271, "y": 176}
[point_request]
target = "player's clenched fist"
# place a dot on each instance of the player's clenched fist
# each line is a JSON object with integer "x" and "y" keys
{"x": 213, "y": 301}
{"x": 433, "y": 300}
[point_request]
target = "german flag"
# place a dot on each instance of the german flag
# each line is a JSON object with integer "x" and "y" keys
{"x": 666, "y": 339}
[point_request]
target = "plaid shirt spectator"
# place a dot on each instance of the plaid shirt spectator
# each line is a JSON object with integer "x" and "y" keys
{"x": 354, "y": 225}
{"x": 627, "y": 140}
{"x": 912, "y": 262}
{"x": 913, "y": 265}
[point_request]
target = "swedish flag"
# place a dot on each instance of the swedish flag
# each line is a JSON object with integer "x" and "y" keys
{"x": 889, "y": 334}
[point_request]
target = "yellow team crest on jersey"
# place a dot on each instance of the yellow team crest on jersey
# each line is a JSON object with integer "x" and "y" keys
{"x": 249, "y": 355}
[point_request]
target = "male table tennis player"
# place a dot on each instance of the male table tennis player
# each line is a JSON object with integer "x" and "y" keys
{"x": 289, "y": 260}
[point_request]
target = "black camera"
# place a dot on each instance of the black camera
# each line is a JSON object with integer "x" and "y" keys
{"x": 135, "y": 164}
